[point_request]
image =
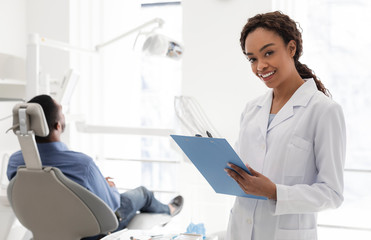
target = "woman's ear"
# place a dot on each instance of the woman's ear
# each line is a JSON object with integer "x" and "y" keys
{"x": 292, "y": 48}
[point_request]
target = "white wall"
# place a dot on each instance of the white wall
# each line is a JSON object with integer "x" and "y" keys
{"x": 50, "y": 19}
{"x": 12, "y": 42}
{"x": 217, "y": 74}
{"x": 13, "y": 27}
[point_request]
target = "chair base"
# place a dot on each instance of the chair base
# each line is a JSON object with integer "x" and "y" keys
{"x": 148, "y": 220}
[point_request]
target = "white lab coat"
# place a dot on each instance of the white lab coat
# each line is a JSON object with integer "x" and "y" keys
{"x": 303, "y": 153}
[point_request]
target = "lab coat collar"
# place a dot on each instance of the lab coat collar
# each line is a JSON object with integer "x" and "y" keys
{"x": 301, "y": 97}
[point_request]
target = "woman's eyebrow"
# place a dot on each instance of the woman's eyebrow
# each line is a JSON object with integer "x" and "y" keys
{"x": 261, "y": 49}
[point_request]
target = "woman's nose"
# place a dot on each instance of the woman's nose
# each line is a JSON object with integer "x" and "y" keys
{"x": 261, "y": 65}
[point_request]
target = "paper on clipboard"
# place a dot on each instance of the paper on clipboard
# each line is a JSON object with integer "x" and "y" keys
{"x": 211, "y": 156}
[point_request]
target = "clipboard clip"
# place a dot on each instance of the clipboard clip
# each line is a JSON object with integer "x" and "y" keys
{"x": 207, "y": 133}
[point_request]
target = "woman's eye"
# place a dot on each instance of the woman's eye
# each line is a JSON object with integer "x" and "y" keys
{"x": 251, "y": 60}
{"x": 269, "y": 53}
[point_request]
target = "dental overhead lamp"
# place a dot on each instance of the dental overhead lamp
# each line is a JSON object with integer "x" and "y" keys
{"x": 154, "y": 45}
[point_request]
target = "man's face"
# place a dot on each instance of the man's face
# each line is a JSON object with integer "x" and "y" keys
{"x": 61, "y": 118}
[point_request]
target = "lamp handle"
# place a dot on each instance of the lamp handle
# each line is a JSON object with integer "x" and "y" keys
{"x": 159, "y": 21}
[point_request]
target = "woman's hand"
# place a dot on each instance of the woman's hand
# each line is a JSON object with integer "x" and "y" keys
{"x": 255, "y": 184}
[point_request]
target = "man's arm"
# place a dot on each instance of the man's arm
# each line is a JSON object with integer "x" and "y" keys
{"x": 101, "y": 187}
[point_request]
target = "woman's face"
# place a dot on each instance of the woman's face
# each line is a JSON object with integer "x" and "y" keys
{"x": 271, "y": 60}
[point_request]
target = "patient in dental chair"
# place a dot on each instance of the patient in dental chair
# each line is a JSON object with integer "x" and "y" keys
{"x": 82, "y": 169}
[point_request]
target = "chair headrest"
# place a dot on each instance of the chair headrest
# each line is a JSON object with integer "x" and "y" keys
{"x": 35, "y": 119}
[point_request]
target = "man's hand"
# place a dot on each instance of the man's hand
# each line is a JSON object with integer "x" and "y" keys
{"x": 255, "y": 184}
{"x": 110, "y": 183}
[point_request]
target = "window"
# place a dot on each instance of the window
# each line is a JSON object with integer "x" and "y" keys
{"x": 336, "y": 46}
{"x": 124, "y": 88}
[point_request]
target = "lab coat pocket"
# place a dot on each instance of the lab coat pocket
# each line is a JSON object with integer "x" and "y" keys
{"x": 304, "y": 234}
{"x": 298, "y": 154}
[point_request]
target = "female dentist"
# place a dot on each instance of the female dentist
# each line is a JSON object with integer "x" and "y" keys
{"x": 292, "y": 139}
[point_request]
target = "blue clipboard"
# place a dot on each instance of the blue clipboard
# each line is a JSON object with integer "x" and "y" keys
{"x": 211, "y": 156}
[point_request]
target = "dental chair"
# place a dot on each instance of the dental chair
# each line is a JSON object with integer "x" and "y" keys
{"x": 143, "y": 221}
{"x": 7, "y": 216}
{"x": 46, "y": 202}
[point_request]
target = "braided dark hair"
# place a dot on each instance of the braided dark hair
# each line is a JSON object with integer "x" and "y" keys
{"x": 287, "y": 29}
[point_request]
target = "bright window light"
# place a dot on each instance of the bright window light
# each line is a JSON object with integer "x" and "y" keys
{"x": 123, "y": 87}
{"x": 336, "y": 47}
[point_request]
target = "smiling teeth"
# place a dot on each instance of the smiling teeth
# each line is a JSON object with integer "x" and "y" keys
{"x": 266, "y": 75}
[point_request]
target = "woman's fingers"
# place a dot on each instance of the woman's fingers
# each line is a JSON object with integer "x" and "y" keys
{"x": 239, "y": 170}
{"x": 240, "y": 176}
{"x": 256, "y": 183}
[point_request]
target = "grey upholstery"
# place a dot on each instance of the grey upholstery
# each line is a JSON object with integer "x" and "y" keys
{"x": 35, "y": 121}
{"x": 46, "y": 202}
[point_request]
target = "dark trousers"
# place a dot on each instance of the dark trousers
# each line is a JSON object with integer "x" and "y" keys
{"x": 138, "y": 199}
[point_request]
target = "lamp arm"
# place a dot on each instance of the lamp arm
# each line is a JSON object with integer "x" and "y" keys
{"x": 159, "y": 21}
{"x": 47, "y": 42}
{"x": 35, "y": 41}
{"x": 42, "y": 41}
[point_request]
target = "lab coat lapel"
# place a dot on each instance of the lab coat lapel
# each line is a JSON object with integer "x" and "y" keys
{"x": 263, "y": 114}
{"x": 300, "y": 98}
{"x": 286, "y": 112}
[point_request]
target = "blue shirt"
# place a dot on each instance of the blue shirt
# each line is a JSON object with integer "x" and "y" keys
{"x": 271, "y": 116}
{"x": 74, "y": 165}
